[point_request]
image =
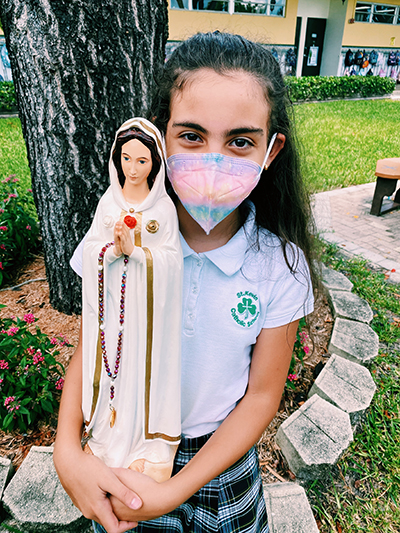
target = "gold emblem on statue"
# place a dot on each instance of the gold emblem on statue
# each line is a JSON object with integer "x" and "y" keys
{"x": 152, "y": 226}
{"x": 131, "y": 210}
{"x": 113, "y": 416}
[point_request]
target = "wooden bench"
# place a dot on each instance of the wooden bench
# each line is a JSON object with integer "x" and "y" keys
{"x": 387, "y": 172}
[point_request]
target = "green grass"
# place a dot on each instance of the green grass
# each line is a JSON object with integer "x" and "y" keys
{"x": 342, "y": 140}
{"x": 364, "y": 492}
{"x": 13, "y": 158}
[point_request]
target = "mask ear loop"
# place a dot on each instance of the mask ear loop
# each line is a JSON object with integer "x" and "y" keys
{"x": 270, "y": 146}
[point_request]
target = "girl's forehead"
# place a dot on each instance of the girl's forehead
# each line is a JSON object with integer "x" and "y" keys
{"x": 212, "y": 97}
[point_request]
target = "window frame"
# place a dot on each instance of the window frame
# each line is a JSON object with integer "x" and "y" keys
{"x": 231, "y": 7}
{"x": 396, "y": 15}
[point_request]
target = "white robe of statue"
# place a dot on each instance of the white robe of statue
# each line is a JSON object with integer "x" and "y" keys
{"x": 147, "y": 389}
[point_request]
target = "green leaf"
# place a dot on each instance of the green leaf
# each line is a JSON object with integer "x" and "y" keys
{"x": 46, "y": 406}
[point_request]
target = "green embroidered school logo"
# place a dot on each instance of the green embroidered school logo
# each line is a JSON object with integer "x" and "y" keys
{"x": 246, "y": 311}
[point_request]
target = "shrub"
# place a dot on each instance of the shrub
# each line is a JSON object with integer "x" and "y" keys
{"x": 323, "y": 88}
{"x": 30, "y": 377}
{"x": 19, "y": 231}
{"x": 7, "y": 96}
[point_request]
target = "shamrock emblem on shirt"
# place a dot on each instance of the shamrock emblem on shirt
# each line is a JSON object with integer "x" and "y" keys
{"x": 246, "y": 310}
{"x": 246, "y": 307}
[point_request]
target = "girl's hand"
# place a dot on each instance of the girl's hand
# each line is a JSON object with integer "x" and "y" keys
{"x": 89, "y": 483}
{"x": 157, "y": 498}
{"x": 122, "y": 239}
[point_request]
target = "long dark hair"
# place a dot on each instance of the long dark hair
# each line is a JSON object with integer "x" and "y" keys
{"x": 281, "y": 202}
{"x": 126, "y": 136}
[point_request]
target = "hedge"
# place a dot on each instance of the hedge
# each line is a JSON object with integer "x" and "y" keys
{"x": 323, "y": 88}
{"x": 7, "y": 96}
{"x": 306, "y": 88}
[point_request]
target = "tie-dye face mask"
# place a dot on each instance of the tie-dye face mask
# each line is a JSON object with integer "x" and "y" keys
{"x": 210, "y": 185}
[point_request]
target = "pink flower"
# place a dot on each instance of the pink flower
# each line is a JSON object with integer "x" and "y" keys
{"x": 29, "y": 318}
{"x": 2, "y": 246}
{"x": 3, "y": 228}
{"x": 8, "y": 404}
{"x": 1, "y": 380}
{"x": 28, "y": 228}
{"x": 6, "y": 180}
{"x": 9, "y": 400}
{"x": 306, "y": 350}
{"x": 29, "y": 190}
{"x": 292, "y": 377}
{"x": 53, "y": 340}
{"x": 31, "y": 350}
{"x": 1, "y": 210}
{"x": 3, "y": 364}
{"x": 38, "y": 358}
{"x": 12, "y": 331}
{"x": 64, "y": 341}
{"x": 59, "y": 384}
{"x": 12, "y": 195}
{"x": 15, "y": 180}
{"x": 1, "y": 266}
{"x": 5, "y": 200}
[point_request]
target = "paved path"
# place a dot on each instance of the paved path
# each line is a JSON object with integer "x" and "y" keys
{"x": 343, "y": 217}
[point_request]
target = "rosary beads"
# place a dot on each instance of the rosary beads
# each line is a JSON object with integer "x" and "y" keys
{"x": 111, "y": 375}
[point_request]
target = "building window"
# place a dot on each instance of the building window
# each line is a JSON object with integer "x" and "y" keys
{"x": 272, "y": 8}
{"x": 377, "y": 13}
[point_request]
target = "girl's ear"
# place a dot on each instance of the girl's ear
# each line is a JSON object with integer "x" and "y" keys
{"x": 278, "y": 145}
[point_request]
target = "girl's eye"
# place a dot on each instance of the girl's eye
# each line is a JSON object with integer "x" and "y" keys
{"x": 241, "y": 143}
{"x": 142, "y": 161}
{"x": 191, "y": 137}
{"x": 126, "y": 158}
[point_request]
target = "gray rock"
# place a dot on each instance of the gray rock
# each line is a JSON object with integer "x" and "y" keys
{"x": 354, "y": 341}
{"x": 5, "y": 473}
{"x": 12, "y": 525}
{"x": 314, "y": 437}
{"x": 334, "y": 280}
{"x": 347, "y": 385}
{"x": 288, "y": 509}
{"x": 348, "y": 305}
{"x": 36, "y": 499}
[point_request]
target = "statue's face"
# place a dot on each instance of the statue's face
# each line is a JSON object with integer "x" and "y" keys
{"x": 136, "y": 163}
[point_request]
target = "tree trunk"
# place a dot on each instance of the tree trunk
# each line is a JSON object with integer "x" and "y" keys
{"x": 80, "y": 69}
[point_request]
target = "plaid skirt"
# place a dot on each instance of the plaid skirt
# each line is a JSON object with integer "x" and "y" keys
{"x": 233, "y": 502}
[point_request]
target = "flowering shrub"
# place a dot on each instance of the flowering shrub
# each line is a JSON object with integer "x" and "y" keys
{"x": 19, "y": 231}
{"x": 299, "y": 351}
{"x": 30, "y": 377}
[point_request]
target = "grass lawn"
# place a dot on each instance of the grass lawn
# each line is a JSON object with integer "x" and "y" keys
{"x": 342, "y": 140}
{"x": 364, "y": 493}
{"x": 13, "y": 152}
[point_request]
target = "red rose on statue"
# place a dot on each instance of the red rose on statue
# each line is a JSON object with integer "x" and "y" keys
{"x": 130, "y": 221}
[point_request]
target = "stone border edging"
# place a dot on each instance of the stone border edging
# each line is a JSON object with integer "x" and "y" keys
{"x": 314, "y": 437}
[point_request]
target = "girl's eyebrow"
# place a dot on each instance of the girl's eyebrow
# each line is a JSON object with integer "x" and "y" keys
{"x": 229, "y": 133}
{"x": 241, "y": 131}
{"x": 191, "y": 125}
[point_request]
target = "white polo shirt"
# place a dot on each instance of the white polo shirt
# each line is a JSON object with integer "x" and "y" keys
{"x": 229, "y": 295}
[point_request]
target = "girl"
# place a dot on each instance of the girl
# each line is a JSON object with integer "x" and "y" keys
{"x": 131, "y": 405}
{"x": 222, "y": 106}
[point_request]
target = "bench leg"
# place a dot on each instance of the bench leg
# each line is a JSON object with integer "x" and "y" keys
{"x": 384, "y": 187}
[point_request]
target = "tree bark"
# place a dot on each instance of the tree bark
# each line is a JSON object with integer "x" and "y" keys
{"x": 80, "y": 69}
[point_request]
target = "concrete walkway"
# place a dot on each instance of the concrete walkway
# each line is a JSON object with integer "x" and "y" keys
{"x": 343, "y": 217}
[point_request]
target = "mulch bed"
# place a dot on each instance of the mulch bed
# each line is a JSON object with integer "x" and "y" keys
{"x": 34, "y": 298}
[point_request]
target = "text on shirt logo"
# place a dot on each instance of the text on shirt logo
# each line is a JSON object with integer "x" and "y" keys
{"x": 246, "y": 311}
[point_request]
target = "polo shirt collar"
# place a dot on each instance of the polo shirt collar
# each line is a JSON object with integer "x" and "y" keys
{"x": 229, "y": 258}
